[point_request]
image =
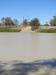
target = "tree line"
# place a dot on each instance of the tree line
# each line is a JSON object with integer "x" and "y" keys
{"x": 8, "y": 22}
{"x": 35, "y": 23}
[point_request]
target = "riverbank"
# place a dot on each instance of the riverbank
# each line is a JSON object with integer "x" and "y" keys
{"x": 10, "y": 30}
{"x": 46, "y": 30}
{"x": 20, "y": 30}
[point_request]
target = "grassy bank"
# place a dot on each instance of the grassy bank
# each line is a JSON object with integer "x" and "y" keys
{"x": 9, "y": 30}
{"x": 47, "y": 31}
{"x": 18, "y": 30}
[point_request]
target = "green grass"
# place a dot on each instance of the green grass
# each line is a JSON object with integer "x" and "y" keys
{"x": 47, "y": 30}
{"x": 9, "y": 30}
{"x": 18, "y": 30}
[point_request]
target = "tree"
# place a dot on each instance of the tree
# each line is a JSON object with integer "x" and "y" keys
{"x": 3, "y": 20}
{"x": 46, "y": 24}
{"x": 25, "y": 22}
{"x": 53, "y": 21}
{"x": 7, "y": 21}
{"x": 34, "y": 23}
{"x": 16, "y": 22}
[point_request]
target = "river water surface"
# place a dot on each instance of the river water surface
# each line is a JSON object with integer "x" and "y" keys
{"x": 27, "y": 46}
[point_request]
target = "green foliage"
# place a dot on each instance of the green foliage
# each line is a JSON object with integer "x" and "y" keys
{"x": 48, "y": 31}
{"x": 16, "y": 22}
{"x": 53, "y": 21}
{"x": 7, "y": 21}
{"x": 9, "y": 30}
{"x": 25, "y": 22}
{"x": 35, "y": 23}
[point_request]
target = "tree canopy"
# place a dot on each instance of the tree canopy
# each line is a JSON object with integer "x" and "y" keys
{"x": 25, "y": 22}
{"x": 53, "y": 21}
{"x": 35, "y": 23}
{"x": 7, "y": 21}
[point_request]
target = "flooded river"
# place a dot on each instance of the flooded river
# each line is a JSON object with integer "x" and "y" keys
{"x": 27, "y": 46}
